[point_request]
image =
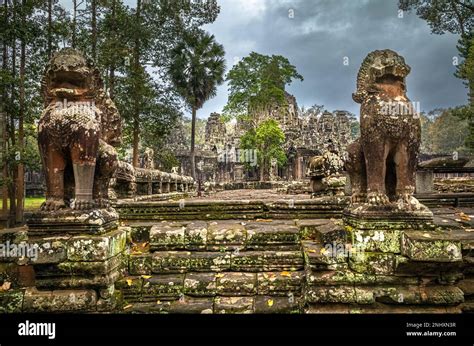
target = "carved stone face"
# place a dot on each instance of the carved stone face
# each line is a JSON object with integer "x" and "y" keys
{"x": 383, "y": 71}
{"x": 70, "y": 76}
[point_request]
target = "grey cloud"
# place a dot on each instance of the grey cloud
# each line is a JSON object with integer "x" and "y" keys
{"x": 322, "y": 33}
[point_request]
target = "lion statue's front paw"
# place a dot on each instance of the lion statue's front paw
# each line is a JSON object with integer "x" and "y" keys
{"x": 102, "y": 203}
{"x": 377, "y": 199}
{"x": 358, "y": 197}
{"x": 52, "y": 204}
{"x": 81, "y": 204}
{"x": 406, "y": 201}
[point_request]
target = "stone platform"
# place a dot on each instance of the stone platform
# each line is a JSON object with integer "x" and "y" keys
{"x": 200, "y": 263}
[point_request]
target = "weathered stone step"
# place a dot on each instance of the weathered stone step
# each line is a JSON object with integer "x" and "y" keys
{"x": 187, "y": 261}
{"x": 148, "y": 288}
{"x": 260, "y": 304}
{"x": 231, "y": 209}
{"x": 408, "y": 295}
{"x": 379, "y": 308}
{"x": 224, "y": 235}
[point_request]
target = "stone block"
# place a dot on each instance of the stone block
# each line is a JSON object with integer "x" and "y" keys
{"x": 200, "y": 284}
{"x": 96, "y": 248}
{"x": 271, "y": 235}
{"x": 49, "y": 249}
{"x": 186, "y": 261}
{"x": 59, "y": 301}
{"x": 236, "y": 284}
{"x": 441, "y": 295}
{"x": 339, "y": 294}
{"x": 166, "y": 286}
{"x": 256, "y": 261}
{"x": 140, "y": 264}
{"x": 430, "y": 247}
{"x": 279, "y": 283}
{"x": 377, "y": 240}
{"x": 195, "y": 235}
{"x": 226, "y": 234}
{"x": 167, "y": 236}
{"x": 11, "y": 301}
{"x": 276, "y": 305}
{"x": 374, "y": 263}
{"x": 234, "y": 305}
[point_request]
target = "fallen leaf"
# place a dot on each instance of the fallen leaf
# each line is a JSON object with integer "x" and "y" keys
{"x": 270, "y": 302}
{"x": 464, "y": 217}
{"x": 146, "y": 276}
{"x": 6, "y": 286}
{"x": 127, "y": 306}
{"x": 285, "y": 273}
{"x": 219, "y": 275}
{"x": 129, "y": 282}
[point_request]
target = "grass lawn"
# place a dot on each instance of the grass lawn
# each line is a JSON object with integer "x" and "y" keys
{"x": 31, "y": 203}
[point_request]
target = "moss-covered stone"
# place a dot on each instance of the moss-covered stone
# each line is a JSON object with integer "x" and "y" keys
{"x": 186, "y": 261}
{"x": 140, "y": 264}
{"x": 49, "y": 249}
{"x": 253, "y": 261}
{"x": 236, "y": 284}
{"x": 224, "y": 234}
{"x": 201, "y": 284}
{"x": 167, "y": 236}
{"x": 166, "y": 286}
{"x": 430, "y": 247}
{"x": 377, "y": 240}
{"x": 373, "y": 263}
{"x": 339, "y": 294}
{"x": 277, "y": 305}
{"x": 11, "y": 301}
{"x": 195, "y": 235}
{"x": 59, "y": 300}
{"x": 96, "y": 248}
{"x": 441, "y": 295}
{"x": 234, "y": 305}
{"x": 279, "y": 283}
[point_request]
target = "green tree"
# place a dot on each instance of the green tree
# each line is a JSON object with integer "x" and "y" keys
{"x": 198, "y": 67}
{"x": 257, "y": 87}
{"x": 268, "y": 139}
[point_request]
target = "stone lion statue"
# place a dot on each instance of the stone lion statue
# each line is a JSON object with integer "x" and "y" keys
{"x": 382, "y": 162}
{"x": 77, "y": 133}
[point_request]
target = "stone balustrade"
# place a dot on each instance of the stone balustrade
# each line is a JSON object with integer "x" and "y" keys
{"x": 130, "y": 182}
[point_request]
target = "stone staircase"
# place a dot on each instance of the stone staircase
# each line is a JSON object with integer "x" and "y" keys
{"x": 215, "y": 267}
{"x": 293, "y": 266}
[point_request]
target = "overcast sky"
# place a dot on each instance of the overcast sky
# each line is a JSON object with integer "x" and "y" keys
{"x": 318, "y": 35}
{"x": 323, "y": 32}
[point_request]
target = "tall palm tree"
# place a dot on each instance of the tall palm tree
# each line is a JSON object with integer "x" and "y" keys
{"x": 197, "y": 67}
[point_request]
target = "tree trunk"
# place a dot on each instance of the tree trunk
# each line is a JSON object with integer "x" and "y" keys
{"x": 50, "y": 28}
{"x": 4, "y": 121}
{"x": 136, "y": 141}
{"x": 111, "y": 83}
{"x": 193, "y": 138}
{"x": 136, "y": 70}
{"x": 94, "y": 29}
{"x": 20, "y": 189}
{"x": 12, "y": 164}
{"x": 74, "y": 23}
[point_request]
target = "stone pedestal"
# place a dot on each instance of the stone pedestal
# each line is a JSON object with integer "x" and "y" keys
{"x": 78, "y": 259}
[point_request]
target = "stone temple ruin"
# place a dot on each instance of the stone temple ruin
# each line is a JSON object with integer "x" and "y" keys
{"x": 306, "y": 136}
{"x": 377, "y": 251}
